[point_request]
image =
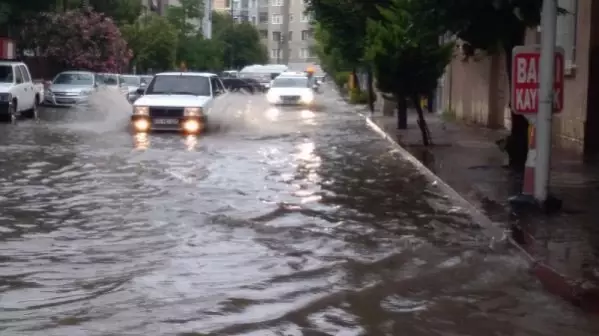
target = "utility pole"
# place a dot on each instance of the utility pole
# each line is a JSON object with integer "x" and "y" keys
{"x": 545, "y": 112}
{"x": 285, "y": 31}
{"x": 232, "y": 13}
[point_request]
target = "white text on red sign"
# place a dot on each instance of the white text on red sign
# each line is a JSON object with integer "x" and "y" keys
{"x": 526, "y": 83}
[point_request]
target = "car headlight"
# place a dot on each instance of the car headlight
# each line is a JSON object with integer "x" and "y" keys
{"x": 308, "y": 97}
{"x": 86, "y": 92}
{"x": 192, "y": 112}
{"x": 141, "y": 110}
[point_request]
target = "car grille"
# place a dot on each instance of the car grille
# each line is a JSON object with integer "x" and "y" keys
{"x": 290, "y": 98}
{"x": 4, "y": 108}
{"x": 166, "y": 112}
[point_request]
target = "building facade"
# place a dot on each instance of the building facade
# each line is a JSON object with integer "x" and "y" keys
{"x": 300, "y": 34}
{"x": 477, "y": 90}
{"x": 161, "y": 6}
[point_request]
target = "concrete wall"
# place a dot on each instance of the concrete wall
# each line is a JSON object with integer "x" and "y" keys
{"x": 477, "y": 90}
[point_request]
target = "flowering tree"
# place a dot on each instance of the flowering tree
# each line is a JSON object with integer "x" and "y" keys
{"x": 77, "y": 39}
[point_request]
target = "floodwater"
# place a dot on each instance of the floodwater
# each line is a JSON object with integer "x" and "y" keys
{"x": 278, "y": 222}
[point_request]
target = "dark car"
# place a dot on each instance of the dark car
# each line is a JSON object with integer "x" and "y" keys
{"x": 255, "y": 84}
{"x": 237, "y": 84}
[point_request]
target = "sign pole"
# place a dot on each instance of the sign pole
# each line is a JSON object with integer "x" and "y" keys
{"x": 546, "y": 100}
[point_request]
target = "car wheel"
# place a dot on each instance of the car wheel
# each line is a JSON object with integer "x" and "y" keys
{"x": 11, "y": 116}
{"x": 32, "y": 113}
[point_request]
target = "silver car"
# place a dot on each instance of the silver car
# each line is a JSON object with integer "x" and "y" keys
{"x": 132, "y": 83}
{"x": 70, "y": 88}
{"x": 114, "y": 82}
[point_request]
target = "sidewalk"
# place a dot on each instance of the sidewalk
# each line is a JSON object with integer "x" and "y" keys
{"x": 566, "y": 246}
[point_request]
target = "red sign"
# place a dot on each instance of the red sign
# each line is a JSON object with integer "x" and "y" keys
{"x": 525, "y": 80}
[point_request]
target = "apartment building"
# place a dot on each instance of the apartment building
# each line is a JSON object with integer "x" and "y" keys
{"x": 300, "y": 34}
{"x": 160, "y": 7}
{"x": 240, "y": 10}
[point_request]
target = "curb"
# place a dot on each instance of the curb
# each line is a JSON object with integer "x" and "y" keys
{"x": 573, "y": 291}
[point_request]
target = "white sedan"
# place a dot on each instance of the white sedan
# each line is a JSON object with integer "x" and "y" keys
{"x": 290, "y": 90}
{"x": 177, "y": 101}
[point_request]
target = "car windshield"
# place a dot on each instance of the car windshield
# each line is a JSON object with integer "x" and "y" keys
{"x": 187, "y": 85}
{"x": 110, "y": 79}
{"x": 6, "y": 75}
{"x": 132, "y": 80}
{"x": 74, "y": 78}
{"x": 299, "y": 82}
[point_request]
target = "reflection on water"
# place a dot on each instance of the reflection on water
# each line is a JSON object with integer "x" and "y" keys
{"x": 296, "y": 230}
{"x": 141, "y": 140}
{"x": 308, "y": 117}
{"x": 191, "y": 142}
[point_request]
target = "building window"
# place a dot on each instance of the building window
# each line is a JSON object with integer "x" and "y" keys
{"x": 263, "y": 33}
{"x": 305, "y": 53}
{"x": 306, "y": 17}
{"x": 253, "y": 20}
{"x": 276, "y": 36}
{"x": 290, "y": 36}
{"x": 253, "y": 4}
{"x": 263, "y": 17}
{"x": 306, "y": 35}
{"x": 277, "y": 19}
{"x": 275, "y": 53}
{"x": 277, "y": 3}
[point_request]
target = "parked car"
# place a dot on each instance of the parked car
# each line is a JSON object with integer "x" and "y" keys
{"x": 70, "y": 88}
{"x": 177, "y": 101}
{"x": 113, "y": 81}
{"x": 132, "y": 83}
{"x": 19, "y": 96}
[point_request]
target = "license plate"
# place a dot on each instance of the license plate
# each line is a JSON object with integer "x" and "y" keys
{"x": 165, "y": 121}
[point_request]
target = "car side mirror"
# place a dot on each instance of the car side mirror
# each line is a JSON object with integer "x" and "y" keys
{"x": 141, "y": 90}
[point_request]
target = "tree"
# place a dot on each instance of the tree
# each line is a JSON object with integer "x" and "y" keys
{"x": 78, "y": 39}
{"x": 183, "y": 15}
{"x": 404, "y": 51}
{"x": 153, "y": 41}
{"x": 241, "y": 41}
{"x": 14, "y": 13}
{"x": 121, "y": 11}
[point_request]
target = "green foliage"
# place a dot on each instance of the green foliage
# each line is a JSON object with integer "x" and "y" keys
{"x": 240, "y": 41}
{"x": 358, "y": 97}
{"x": 182, "y": 15}
{"x": 201, "y": 54}
{"x": 403, "y": 48}
{"x": 153, "y": 41}
{"x": 341, "y": 78}
{"x": 13, "y": 13}
{"x": 121, "y": 11}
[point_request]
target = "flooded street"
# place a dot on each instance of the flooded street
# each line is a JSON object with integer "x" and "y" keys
{"x": 279, "y": 222}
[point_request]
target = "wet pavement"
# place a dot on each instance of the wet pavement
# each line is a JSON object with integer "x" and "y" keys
{"x": 281, "y": 222}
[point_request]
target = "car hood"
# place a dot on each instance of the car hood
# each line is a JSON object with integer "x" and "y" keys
{"x": 69, "y": 88}
{"x": 172, "y": 101}
{"x": 289, "y": 91}
{"x": 4, "y": 87}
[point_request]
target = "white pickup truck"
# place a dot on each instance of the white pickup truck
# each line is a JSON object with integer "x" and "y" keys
{"x": 19, "y": 95}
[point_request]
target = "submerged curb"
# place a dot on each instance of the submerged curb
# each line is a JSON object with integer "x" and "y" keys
{"x": 554, "y": 282}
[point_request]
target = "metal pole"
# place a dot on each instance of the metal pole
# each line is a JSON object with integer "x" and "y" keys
{"x": 285, "y": 30}
{"x": 544, "y": 116}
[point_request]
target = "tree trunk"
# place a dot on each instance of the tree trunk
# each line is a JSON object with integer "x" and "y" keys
{"x": 402, "y": 112}
{"x": 517, "y": 142}
{"x": 371, "y": 96}
{"x": 426, "y": 137}
{"x": 356, "y": 81}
